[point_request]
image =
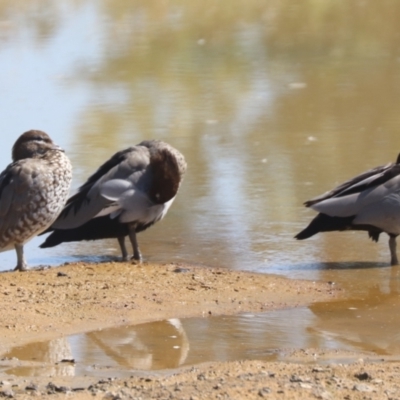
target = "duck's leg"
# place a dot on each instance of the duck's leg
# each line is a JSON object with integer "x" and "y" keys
{"x": 121, "y": 241}
{"x": 21, "y": 263}
{"x": 392, "y": 247}
{"x": 132, "y": 236}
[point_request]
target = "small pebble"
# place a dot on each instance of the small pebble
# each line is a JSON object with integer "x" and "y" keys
{"x": 264, "y": 392}
{"x": 7, "y": 393}
{"x": 66, "y": 360}
{"x": 363, "y": 376}
{"x": 305, "y": 385}
{"x": 362, "y": 387}
{"x": 324, "y": 395}
{"x": 180, "y": 270}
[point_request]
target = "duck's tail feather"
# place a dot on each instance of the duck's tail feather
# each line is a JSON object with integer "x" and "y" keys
{"x": 96, "y": 228}
{"x": 325, "y": 223}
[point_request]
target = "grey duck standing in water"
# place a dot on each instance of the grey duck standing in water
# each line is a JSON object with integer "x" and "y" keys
{"x": 126, "y": 195}
{"x": 369, "y": 202}
{"x": 33, "y": 191}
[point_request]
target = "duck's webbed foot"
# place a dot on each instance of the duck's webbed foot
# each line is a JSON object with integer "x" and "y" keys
{"x": 137, "y": 258}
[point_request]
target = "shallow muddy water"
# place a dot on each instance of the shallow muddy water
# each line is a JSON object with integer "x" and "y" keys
{"x": 173, "y": 343}
{"x": 271, "y": 103}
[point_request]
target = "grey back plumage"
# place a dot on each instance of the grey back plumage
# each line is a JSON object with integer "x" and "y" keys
{"x": 153, "y": 168}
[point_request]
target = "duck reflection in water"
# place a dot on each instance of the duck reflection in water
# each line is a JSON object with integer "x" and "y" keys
{"x": 151, "y": 346}
{"x": 51, "y": 358}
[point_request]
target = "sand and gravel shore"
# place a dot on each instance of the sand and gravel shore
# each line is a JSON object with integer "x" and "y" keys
{"x": 47, "y": 304}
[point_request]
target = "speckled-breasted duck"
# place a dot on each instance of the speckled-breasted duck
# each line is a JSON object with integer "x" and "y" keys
{"x": 127, "y": 194}
{"x": 369, "y": 202}
{"x": 33, "y": 191}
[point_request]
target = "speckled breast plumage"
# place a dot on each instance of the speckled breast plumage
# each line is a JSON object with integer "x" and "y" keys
{"x": 40, "y": 188}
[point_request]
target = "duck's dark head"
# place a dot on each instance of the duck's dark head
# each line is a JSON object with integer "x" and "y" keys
{"x": 32, "y": 144}
{"x": 168, "y": 166}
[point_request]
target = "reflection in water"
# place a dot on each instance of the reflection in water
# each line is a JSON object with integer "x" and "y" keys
{"x": 159, "y": 345}
{"x": 367, "y": 322}
{"x": 363, "y": 322}
{"x": 54, "y": 354}
{"x": 354, "y": 325}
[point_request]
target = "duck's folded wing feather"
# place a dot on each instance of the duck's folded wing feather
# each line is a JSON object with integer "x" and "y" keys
{"x": 89, "y": 201}
{"x": 384, "y": 214}
{"x": 21, "y": 186}
{"x": 113, "y": 189}
{"x": 81, "y": 208}
{"x": 133, "y": 204}
{"x": 6, "y": 191}
{"x": 367, "y": 180}
{"x": 355, "y": 203}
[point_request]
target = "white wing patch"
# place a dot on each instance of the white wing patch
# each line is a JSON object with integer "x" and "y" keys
{"x": 130, "y": 204}
{"x": 113, "y": 189}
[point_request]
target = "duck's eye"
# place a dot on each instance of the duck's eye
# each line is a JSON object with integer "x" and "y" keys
{"x": 39, "y": 139}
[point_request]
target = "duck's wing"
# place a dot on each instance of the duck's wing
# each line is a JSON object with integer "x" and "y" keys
{"x": 359, "y": 183}
{"x": 353, "y": 196}
{"x": 7, "y": 189}
{"x": 88, "y": 202}
{"x": 21, "y": 186}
